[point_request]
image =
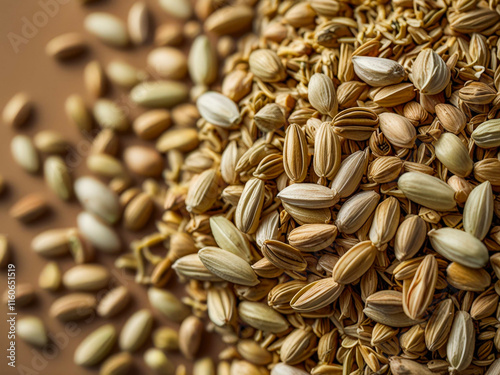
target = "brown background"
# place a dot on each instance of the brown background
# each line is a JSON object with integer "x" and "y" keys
{"x": 49, "y": 83}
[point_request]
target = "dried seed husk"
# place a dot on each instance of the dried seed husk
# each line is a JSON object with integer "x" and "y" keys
{"x": 113, "y": 302}
{"x": 66, "y": 46}
{"x": 260, "y": 316}
{"x": 419, "y": 294}
{"x": 321, "y": 94}
{"x": 77, "y": 113}
{"x": 99, "y": 233}
{"x": 230, "y": 19}
{"x": 86, "y": 277}
{"x": 218, "y": 109}
{"x": 74, "y": 306}
{"x": 117, "y": 364}
{"x": 228, "y": 266}
{"x": 221, "y": 305}
{"x": 478, "y": 211}
{"x": 410, "y": 237}
{"x": 52, "y": 242}
{"x": 460, "y": 347}
{"x": 202, "y": 61}
{"x": 453, "y": 154}
{"x": 450, "y": 117}
{"x": 430, "y": 75}
{"x": 378, "y": 71}
{"x": 249, "y": 207}
{"x": 271, "y": 117}
{"x": 308, "y": 195}
{"x": 17, "y": 110}
{"x": 159, "y": 94}
{"x": 295, "y": 153}
{"x": 487, "y": 134}
{"x": 316, "y": 295}
{"x": 168, "y": 62}
{"x": 203, "y": 192}
{"x": 123, "y": 74}
{"x": 98, "y": 199}
{"x": 356, "y": 210}
{"x": 190, "y": 335}
{"x": 385, "y": 222}
{"x": 251, "y": 351}
{"x": 283, "y": 256}
{"x": 349, "y": 176}
{"x": 385, "y": 169}
{"x": 427, "y": 191}
{"x": 191, "y": 267}
{"x": 168, "y": 304}
{"x": 136, "y": 331}
{"x": 354, "y": 263}
{"x": 327, "y": 152}
{"x": 29, "y": 208}
{"x": 110, "y": 116}
{"x": 24, "y": 153}
{"x": 96, "y": 346}
{"x": 32, "y": 330}
{"x": 266, "y": 65}
{"x": 459, "y": 246}
{"x": 107, "y": 28}
{"x": 299, "y": 345}
{"x": 229, "y": 238}
{"x": 398, "y": 130}
{"x": 312, "y": 237}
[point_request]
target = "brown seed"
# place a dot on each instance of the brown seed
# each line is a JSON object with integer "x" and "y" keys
{"x": 143, "y": 161}
{"x": 66, "y": 46}
{"x": 29, "y": 208}
{"x": 17, "y": 110}
{"x": 75, "y": 306}
{"x": 190, "y": 335}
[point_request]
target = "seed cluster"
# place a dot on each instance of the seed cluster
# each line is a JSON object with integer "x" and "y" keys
{"x": 332, "y": 210}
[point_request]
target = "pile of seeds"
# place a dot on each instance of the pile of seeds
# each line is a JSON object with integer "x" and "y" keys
{"x": 334, "y": 211}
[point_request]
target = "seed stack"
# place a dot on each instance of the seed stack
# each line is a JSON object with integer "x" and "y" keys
{"x": 335, "y": 211}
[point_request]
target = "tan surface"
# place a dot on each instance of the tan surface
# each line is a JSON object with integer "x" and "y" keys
{"x": 49, "y": 82}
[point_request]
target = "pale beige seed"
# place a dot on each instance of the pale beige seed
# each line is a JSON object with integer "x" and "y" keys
{"x": 50, "y": 142}
{"x": 107, "y": 28}
{"x": 327, "y": 152}
{"x": 429, "y": 74}
{"x": 77, "y": 113}
{"x": 218, "y": 109}
{"x": 249, "y": 207}
{"x": 451, "y": 151}
{"x": 24, "y": 153}
{"x": 109, "y": 114}
{"x": 308, "y": 216}
{"x": 321, "y": 94}
{"x": 354, "y": 263}
{"x": 410, "y": 237}
{"x": 168, "y": 34}
{"x": 351, "y": 171}
{"x": 418, "y": 294}
{"x": 221, "y": 305}
{"x": 487, "y": 134}
{"x": 138, "y": 23}
{"x": 202, "y": 62}
{"x": 377, "y": 71}
{"x": 439, "y": 325}
{"x": 190, "y": 335}
{"x": 398, "y": 130}
{"x": 178, "y": 8}
{"x": 279, "y": 297}
{"x": 32, "y": 330}
{"x": 229, "y": 238}
{"x": 167, "y": 62}
{"x": 270, "y": 117}
{"x": 66, "y": 46}
{"x": 261, "y": 317}
{"x": 29, "y": 208}
{"x": 136, "y": 331}
{"x": 427, "y": 191}
{"x": 356, "y": 210}
{"x": 95, "y": 79}
{"x": 284, "y": 369}
{"x": 123, "y": 74}
{"x": 385, "y": 222}
{"x": 295, "y": 153}
{"x": 228, "y": 266}
{"x": 158, "y": 362}
{"x": 168, "y": 304}
{"x": 466, "y": 278}
{"x": 86, "y": 277}
{"x": 74, "y": 306}
{"x": 52, "y": 242}
{"x": 166, "y": 338}
{"x": 316, "y": 295}
{"x": 459, "y": 246}
{"x": 17, "y": 110}
{"x": 96, "y": 346}
{"x": 230, "y": 19}
{"x": 203, "y": 366}
{"x": 266, "y": 65}
{"x": 460, "y": 347}
{"x": 203, "y": 191}
{"x": 117, "y": 364}
{"x": 268, "y": 228}
{"x": 99, "y": 233}
{"x": 190, "y": 266}
{"x": 152, "y": 123}
{"x": 298, "y": 346}
{"x": 159, "y": 94}
{"x": 113, "y": 302}
{"x": 478, "y": 211}
{"x": 98, "y": 198}
{"x": 105, "y": 166}
{"x": 283, "y": 256}
{"x": 308, "y": 195}
{"x": 494, "y": 368}
{"x": 312, "y": 237}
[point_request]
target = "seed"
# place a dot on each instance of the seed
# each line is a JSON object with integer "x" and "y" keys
{"x": 50, "y": 277}
{"x": 397, "y": 129}
{"x": 439, "y": 325}
{"x": 202, "y": 192}
{"x": 410, "y": 237}
{"x": 204, "y": 366}
{"x": 117, "y": 364}
{"x": 95, "y": 79}
{"x": 74, "y": 306}
{"x": 32, "y": 330}
{"x": 460, "y": 347}
{"x": 230, "y": 19}
{"x": 190, "y": 334}
{"x": 377, "y": 71}
{"x": 308, "y": 195}
{"x": 459, "y": 246}
{"x": 113, "y": 302}
{"x": 182, "y": 140}
{"x": 168, "y": 304}
{"x": 229, "y": 238}
{"x": 86, "y": 277}
{"x": 180, "y": 9}
{"x": 96, "y": 346}
{"x": 165, "y": 338}
{"x": 427, "y": 190}
{"x": 17, "y": 110}
{"x": 465, "y": 278}
{"x": 316, "y": 295}
{"x": 107, "y": 28}
{"x": 385, "y": 222}
{"x": 138, "y": 23}
{"x": 284, "y": 369}
{"x": 354, "y": 263}
{"x": 97, "y": 198}
{"x": 58, "y": 177}
{"x": 152, "y": 123}
{"x": 109, "y": 115}
{"x": 202, "y": 62}
{"x": 453, "y": 154}
{"x": 100, "y": 234}
{"x": 250, "y": 206}
{"x": 322, "y": 95}
{"x": 159, "y": 94}
{"x": 217, "y": 109}
{"x": 158, "y": 362}
{"x": 295, "y": 153}
{"x": 351, "y": 171}
{"x": 312, "y": 237}
{"x": 24, "y": 153}
{"x": 4, "y": 251}
{"x": 355, "y": 211}
{"x": 168, "y": 62}
{"x": 478, "y": 211}
{"x": 51, "y": 243}
{"x": 261, "y": 317}
{"x": 78, "y": 113}
{"x": 430, "y": 75}
{"x": 50, "y": 142}
{"x": 66, "y": 46}
{"x": 451, "y": 118}
{"x": 487, "y": 134}
{"x": 136, "y": 331}
{"x": 29, "y": 208}
{"x": 266, "y": 65}
{"x": 402, "y": 366}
